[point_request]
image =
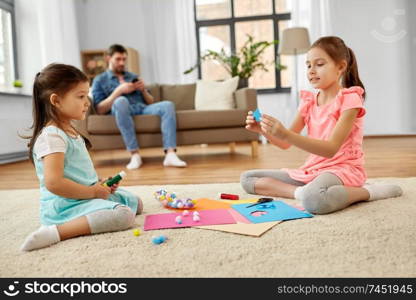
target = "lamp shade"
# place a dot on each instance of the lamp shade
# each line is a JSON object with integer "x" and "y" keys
{"x": 294, "y": 40}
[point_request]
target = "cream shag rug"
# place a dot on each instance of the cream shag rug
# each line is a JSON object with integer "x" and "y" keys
{"x": 369, "y": 239}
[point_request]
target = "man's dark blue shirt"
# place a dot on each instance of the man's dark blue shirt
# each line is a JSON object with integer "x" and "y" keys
{"x": 105, "y": 83}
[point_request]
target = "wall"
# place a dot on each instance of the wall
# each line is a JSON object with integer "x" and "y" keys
{"x": 412, "y": 42}
{"x": 388, "y": 69}
{"x": 28, "y": 43}
{"x": 383, "y": 37}
{"x": 15, "y": 118}
{"x": 156, "y": 28}
{"x": 46, "y": 32}
{"x": 384, "y": 67}
{"x": 373, "y": 28}
{"x": 105, "y": 22}
{"x": 15, "y": 110}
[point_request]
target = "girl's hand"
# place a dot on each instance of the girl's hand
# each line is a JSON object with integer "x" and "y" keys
{"x": 272, "y": 126}
{"x": 101, "y": 191}
{"x": 251, "y": 123}
{"x": 113, "y": 188}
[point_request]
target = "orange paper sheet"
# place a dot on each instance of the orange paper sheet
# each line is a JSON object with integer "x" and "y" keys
{"x": 205, "y": 203}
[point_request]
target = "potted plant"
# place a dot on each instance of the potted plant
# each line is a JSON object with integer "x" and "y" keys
{"x": 243, "y": 63}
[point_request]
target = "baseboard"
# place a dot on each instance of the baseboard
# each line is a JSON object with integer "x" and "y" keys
{"x": 13, "y": 157}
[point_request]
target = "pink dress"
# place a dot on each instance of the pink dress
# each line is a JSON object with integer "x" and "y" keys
{"x": 348, "y": 162}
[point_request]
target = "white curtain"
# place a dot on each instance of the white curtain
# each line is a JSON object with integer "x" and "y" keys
{"x": 57, "y": 31}
{"x": 170, "y": 41}
{"x": 46, "y": 32}
{"x": 315, "y": 16}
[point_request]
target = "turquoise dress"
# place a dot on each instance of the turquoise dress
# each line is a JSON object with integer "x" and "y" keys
{"x": 78, "y": 167}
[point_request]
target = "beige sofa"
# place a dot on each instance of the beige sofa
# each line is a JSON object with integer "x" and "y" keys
{"x": 193, "y": 126}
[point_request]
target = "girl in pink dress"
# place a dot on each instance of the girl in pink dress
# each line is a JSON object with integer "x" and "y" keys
{"x": 333, "y": 177}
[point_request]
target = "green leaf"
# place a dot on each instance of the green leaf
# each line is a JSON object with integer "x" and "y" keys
{"x": 248, "y": 58}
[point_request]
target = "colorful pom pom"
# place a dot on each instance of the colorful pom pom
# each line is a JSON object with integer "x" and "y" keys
{"x": 169, "y": 199}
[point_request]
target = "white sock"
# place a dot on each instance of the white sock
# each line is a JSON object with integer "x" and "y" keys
{"x": 172, "y": 160}
{"x": 383, "y": 191}
{"x": 297, "y": 192}
{"x": 43, "y": 237}
{"x": 135, "y": 162}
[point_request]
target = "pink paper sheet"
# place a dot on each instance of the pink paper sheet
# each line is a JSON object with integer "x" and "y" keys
{"x": 207, "y": 217}
{"x": 238, "y": 217}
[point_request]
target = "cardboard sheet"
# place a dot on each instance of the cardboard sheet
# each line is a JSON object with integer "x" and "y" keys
{"x": 243, "y": 228}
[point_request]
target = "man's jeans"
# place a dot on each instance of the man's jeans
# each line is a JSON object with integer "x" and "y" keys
{"x": 124, "y": 112}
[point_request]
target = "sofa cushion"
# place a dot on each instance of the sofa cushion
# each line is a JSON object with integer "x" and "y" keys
{"x": 186, "y": 120}
{"x": 106, "y": 124}
{"x": 215, "y": 95}
{"x": 198, "y": 119}
{"x": 182, "y": 95}
{"x": 154, "y": 90}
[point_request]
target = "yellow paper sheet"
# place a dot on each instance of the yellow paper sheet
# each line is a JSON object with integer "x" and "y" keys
{"x": 238, "y": 201}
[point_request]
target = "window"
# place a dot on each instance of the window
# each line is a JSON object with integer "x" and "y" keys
{"x": 8, "y": 72}
{"x": 224, "y": 24}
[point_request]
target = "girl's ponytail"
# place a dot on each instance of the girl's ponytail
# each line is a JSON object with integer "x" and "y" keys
{"x": 351, "y": 77}
{"x": 39, "y": 115}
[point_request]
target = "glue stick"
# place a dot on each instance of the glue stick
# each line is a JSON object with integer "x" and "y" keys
{"x": 229, "y": 196}
{"x": 115, "y": 179}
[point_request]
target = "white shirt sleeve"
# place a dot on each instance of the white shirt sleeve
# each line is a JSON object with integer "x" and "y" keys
{"x": 47, "y": 143}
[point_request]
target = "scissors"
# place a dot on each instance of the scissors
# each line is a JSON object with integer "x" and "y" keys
{"x": 261, "y": 200}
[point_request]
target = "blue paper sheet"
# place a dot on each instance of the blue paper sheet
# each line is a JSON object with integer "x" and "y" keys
{"x": 270, "y": 211}
{"x": 257, "y": 115}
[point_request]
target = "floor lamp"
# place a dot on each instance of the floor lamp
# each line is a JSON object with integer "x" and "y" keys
{"x": 294, "y": 41}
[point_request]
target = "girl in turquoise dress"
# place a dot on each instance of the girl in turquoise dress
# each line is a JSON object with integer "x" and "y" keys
{"x": 73, "y": 201}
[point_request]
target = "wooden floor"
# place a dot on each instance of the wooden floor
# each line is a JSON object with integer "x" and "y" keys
{"x": 385, "y": 157}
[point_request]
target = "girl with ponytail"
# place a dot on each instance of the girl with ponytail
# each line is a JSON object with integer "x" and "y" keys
{"x": 73, "y": 201}
{"x": 333, "y": 176}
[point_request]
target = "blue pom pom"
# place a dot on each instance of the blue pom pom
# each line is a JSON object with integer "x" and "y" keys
{"x": 156, "y": 240}
{"x": 159, "y": 239}
{"x": 163, "y": 238}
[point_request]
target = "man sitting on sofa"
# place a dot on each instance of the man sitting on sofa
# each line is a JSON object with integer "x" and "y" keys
{"x": 117, "y": 91}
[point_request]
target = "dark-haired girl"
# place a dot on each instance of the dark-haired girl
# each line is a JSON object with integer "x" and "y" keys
{"x": 73, "y": 201}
